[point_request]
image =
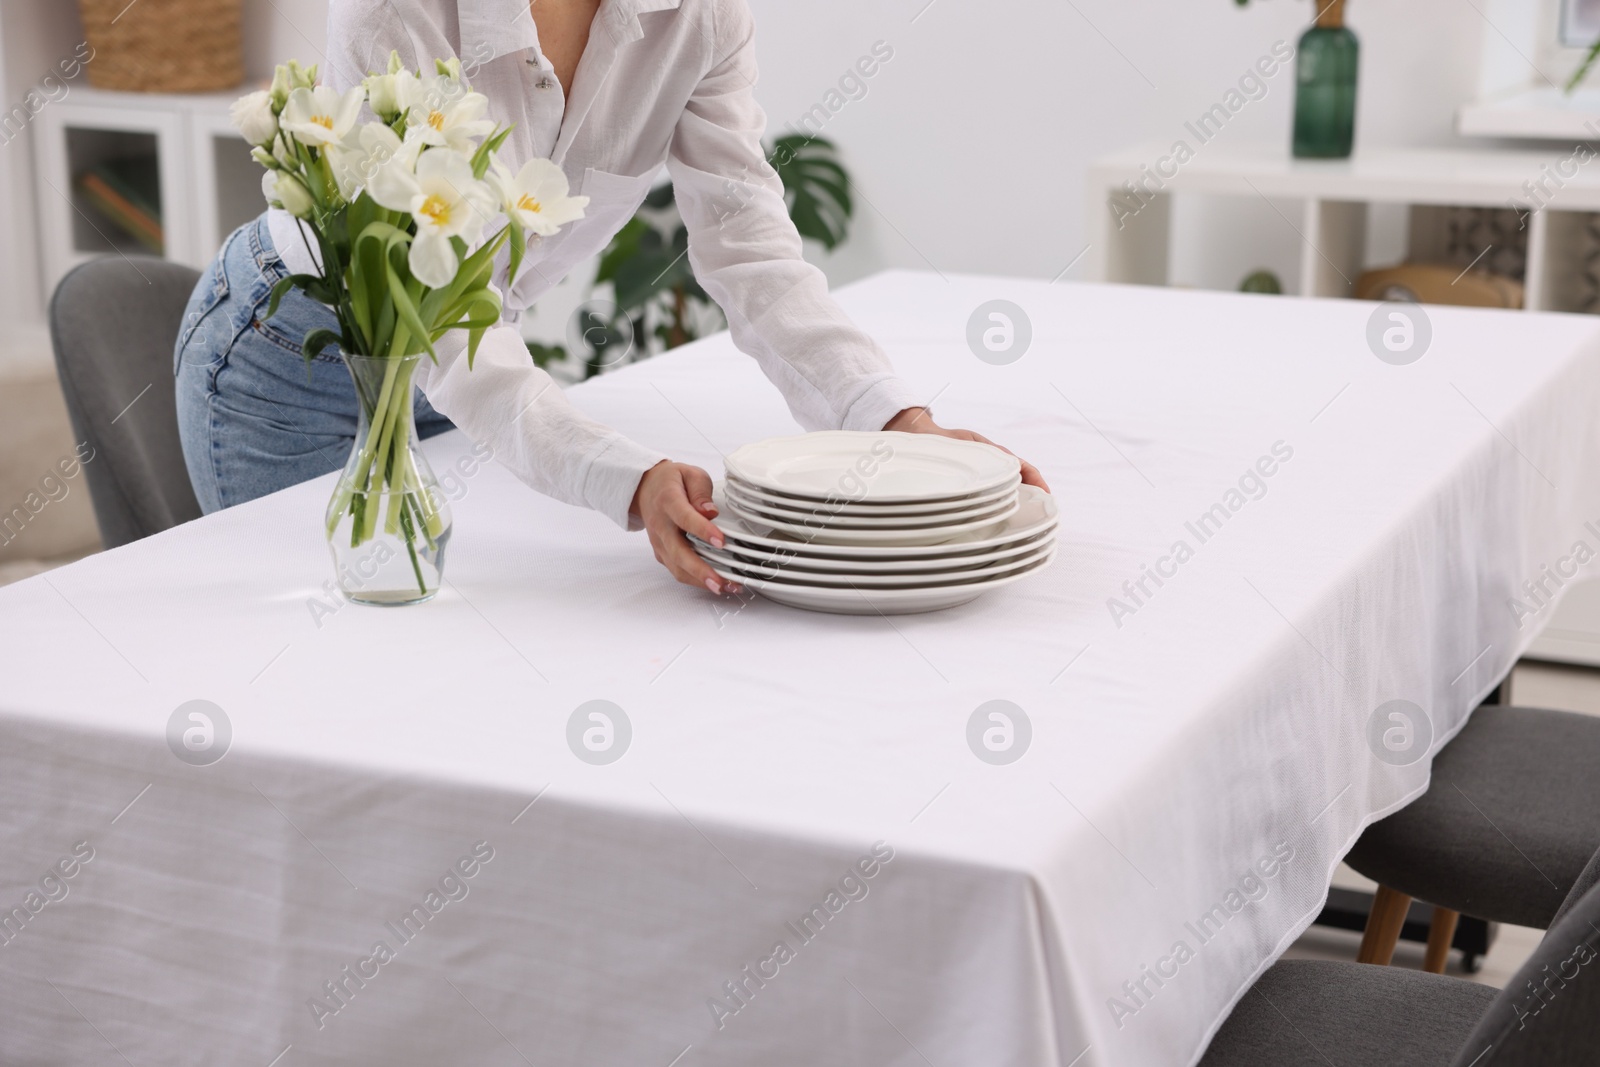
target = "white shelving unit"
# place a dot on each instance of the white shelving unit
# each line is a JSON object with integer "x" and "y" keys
{"x": 1332, "y": 205}
{"x": 208, "y": 183}
{"x": 1334, "y": 199}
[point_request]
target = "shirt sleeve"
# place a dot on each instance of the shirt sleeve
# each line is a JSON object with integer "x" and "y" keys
{"x": 746, "y": 253}
{"x": 520, "y": 412}
{"x": 504, "y": 400}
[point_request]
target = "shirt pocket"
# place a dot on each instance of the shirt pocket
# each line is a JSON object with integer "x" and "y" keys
{"x": 613, "y": 200}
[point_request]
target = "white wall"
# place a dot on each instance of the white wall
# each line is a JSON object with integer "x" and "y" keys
{"x": 970, "y": 145}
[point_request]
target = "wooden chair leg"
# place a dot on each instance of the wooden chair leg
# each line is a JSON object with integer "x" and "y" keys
{"x": 1388, "y": 915}
{"x": 1441, "y": 931}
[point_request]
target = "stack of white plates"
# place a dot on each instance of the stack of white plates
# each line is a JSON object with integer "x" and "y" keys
{"x": 870, "y": 523}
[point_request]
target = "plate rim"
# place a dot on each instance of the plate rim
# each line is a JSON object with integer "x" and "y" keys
{"x": 919, "y": 506}
{"x": 1051, "y": 520}
{"x": 877, "y": 535}
{"x": 995, "y": 510}
{"x": 732, "y": 461}
{"x": 1019, "y": 547}
{"x": 1037, "y": 553}
{"x": 904, "y": 595}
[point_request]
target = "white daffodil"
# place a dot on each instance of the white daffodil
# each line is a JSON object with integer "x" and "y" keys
{"x": 285, "y": 191}
{"x": 252, "y": 116}
{"x": 320, "y": 117}
{"x": 536, "y": 196}
{"x": 368, "y": 150}
{"x": 445, "y": 199}
{"x": 445, "y": 113}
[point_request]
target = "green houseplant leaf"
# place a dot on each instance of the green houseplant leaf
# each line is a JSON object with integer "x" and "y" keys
{"x": 815, "y": 187}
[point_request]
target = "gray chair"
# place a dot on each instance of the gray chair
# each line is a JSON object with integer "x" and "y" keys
{"x": 114, "y": 323}
{"x": 1510, "y": 818}
{"x": 1310, "y": 1013}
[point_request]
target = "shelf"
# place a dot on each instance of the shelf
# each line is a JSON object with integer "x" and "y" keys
{"x": 1342, "y": 217}
{"x": 1545, "y": 113}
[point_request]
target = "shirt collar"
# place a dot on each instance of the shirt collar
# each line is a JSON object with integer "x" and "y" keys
{"x": 494, "y": 28}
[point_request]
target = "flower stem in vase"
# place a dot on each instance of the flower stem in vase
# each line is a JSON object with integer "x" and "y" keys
{"x": 398, "y": 560}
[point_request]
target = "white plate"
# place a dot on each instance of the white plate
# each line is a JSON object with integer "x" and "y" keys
{"x": 885, "y": 601}
{"x": 738, "y": 570}
{"x": 885, "y": 467}
{"x": 748, "y": 556}
{"x": 993, "y": 511}
{"x": 873, "y": 535}
{"x": 1037, "y": 512}
{"x": 841, "y": 506}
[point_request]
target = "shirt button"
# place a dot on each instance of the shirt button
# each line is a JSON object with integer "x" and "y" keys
{"x": 546, "y": 83}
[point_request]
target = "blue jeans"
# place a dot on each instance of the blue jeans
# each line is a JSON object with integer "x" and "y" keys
{"x": 252, "y": 416}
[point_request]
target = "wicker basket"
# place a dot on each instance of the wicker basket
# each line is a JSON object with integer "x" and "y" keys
{"x": 164, "y": 46}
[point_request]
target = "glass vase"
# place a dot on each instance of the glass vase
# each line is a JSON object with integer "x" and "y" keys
{"x": 1325, "y": 87}
{"x": 388, "y": 523}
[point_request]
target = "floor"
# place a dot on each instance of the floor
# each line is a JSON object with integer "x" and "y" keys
{"x": 1541, "y": 685}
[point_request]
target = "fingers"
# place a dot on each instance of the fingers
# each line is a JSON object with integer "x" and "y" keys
{"x": 1030, "y": 473}
{"x": 691, "y": 520}
{"x": 679, "y": 557}
{"x": 697, "y": 484}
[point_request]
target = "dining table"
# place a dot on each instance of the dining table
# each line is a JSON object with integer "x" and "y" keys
{"x": 570, "y": 812}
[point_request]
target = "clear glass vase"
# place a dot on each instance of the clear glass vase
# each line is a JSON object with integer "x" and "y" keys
{"x": 388, "y": 523}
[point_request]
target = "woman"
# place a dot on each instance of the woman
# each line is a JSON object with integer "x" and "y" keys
{"x": 609, "y": 90}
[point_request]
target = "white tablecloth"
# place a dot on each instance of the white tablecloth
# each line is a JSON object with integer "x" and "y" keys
{"x": 1209, "y": 756}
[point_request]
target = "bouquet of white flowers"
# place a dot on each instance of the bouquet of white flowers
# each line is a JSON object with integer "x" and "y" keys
{"x": 396, "y": 208}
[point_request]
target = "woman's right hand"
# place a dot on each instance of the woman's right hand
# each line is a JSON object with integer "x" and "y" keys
{"x": 674, "y": 499}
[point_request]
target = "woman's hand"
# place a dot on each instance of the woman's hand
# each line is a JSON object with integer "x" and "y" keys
{"x": 674, "y": 499}
{"x": 918, "y": 420}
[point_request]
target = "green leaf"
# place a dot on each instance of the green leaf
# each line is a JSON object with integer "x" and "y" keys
{"x": 406, "y": 308}
{"x": 815, "y": 187}
{"x": 544, "y": 355}
{"x": 316, "y": 341}
{"x": 1583, "y": 68}
{"x": 485, "y": 153}
{"x": 279, "y": 290}
{"x": 661, "y": 197}
{"x": 624, "y": 246}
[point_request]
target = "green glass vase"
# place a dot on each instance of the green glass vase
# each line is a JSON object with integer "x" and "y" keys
{"x": 1325, "y": 87}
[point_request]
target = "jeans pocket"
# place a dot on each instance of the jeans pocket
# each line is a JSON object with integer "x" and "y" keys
{"x": 196, "y": 332}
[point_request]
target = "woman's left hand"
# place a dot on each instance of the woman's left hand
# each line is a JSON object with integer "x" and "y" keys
{"x": 918, "y": 420}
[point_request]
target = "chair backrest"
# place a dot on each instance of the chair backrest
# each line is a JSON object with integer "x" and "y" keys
{"x": 1548, "y": 1015}
{"x": 114, "y": 323}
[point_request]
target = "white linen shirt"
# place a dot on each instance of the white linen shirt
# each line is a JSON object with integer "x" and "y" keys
{"x": 661, "y": 81}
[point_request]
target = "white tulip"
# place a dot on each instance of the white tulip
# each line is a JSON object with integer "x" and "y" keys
{"x": 360, "y": 158}
{"x": 445, "y": 114}
{"x": 321, "y": 116}
{"x": 536, "y": 196}
{"x": 285, "y": 191}
{"x": 252, "y": 116}
{"x": 446, "y": 201}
